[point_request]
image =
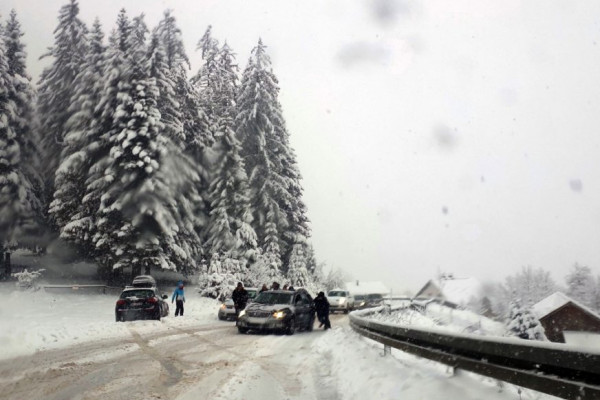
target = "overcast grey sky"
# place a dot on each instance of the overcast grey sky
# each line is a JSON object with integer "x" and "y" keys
{"x": 457, "y": 136}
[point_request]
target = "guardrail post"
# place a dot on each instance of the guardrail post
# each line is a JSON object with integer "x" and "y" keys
{"x": 387, "y": 350}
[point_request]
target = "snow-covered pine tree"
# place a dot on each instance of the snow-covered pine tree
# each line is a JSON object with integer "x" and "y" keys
{"x": 522, "y": 323}
{"x": 298, "y": 275}
{"x": 97, "y": 180}
{"x": 20, "y": 92}
{"x": 265, "y": 270}
{"x": 168, "y": 66}
{"x": 142, "y": 183}
{"x": 81, "y": 148}
{"x": 228, "y": 230}
{"x": 223, "y": 275}
{"x": 581, "y": 285}
{"x": 56, "y": 86}
{"x": 12, "y": 180}
{"x": 276, "y": 194}
{"x": 205, "y": 81}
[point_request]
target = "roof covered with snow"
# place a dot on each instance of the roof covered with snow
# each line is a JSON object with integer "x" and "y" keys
{"x": 460, "y": 290}
{"x": 360, "y": 287}
{"x": 555, "y": 301}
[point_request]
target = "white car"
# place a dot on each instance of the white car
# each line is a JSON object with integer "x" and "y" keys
{"x": 340, "y": 300}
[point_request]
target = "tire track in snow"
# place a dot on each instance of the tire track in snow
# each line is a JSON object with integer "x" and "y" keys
{"x": 174, "y": 373}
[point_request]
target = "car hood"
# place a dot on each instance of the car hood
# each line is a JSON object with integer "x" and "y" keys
{"x": 267, "y": 307}
{"x": 336, "y": 298}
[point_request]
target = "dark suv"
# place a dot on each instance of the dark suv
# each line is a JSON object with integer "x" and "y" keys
{"x": 278, "y": 310}
{"x": 141, "y": 301}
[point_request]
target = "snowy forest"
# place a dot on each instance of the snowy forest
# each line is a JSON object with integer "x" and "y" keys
{"x": 140, "y": 164}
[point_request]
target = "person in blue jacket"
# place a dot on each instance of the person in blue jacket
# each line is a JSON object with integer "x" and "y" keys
{"x": 179, "y": 298}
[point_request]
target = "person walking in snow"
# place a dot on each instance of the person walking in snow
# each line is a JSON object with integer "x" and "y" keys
{"x": 322, "y": 308}
{"x": 240, "y": 298}
{"x": 179, "y": 298}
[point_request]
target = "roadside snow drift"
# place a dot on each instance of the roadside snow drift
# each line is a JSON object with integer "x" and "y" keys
{"x": 35, "y": 321}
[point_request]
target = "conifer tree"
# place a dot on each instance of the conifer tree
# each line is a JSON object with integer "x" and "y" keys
{"x": 522, "y": 323}
{"x": 298, "y": 274}
{"x": 142, "y": 183}
{"x": 228, "y": 230}
{"x": 80, "y": 147}
{"x": 20, "y": 185}
{"x": 276, "y": 194}
{"x": 56, "y": 85}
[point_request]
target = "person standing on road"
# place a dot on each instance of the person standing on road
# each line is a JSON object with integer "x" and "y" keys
{"x": 240, "y": 298}
{"x": 322, "y": 308}
{"x": 179, "y": 298}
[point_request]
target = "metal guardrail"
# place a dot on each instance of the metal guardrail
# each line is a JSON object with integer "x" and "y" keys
{"x": 104, "y": 289}
{"x": 549, "y": 368}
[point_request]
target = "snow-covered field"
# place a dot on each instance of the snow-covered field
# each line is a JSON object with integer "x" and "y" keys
{"x": 35, "y": 321}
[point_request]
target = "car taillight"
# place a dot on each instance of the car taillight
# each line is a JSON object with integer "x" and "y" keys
{"x": 121, "y": 302}
{"x": 152, "y": 300}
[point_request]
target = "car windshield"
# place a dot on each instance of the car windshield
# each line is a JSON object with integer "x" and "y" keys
{"x": 374, "y": 297}
{"x": 252, "y": 293}
{"x": 359, "y": 297}
{"x": 274, "y": 298}
{"x": 337, "y": 293}
{"x": 142, "y": 294}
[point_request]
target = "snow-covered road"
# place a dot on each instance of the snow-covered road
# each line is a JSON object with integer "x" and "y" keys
{"x": 205, "y": 361}
{"x": 56, "y": 346}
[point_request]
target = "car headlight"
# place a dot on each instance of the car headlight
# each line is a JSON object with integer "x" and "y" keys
{"x": 223, "y": 306}
{"x": 278, "y": 314}
{"x": 242, "y": 313}
{"x": 342, "y": 301}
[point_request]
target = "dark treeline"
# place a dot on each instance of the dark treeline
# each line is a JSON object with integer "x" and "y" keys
{"x": 140, "y": 164}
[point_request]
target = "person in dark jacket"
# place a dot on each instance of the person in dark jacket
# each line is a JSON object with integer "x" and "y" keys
{"x": 179, "y": 298}
{"x": 275, "y": 286}
{"x": 322, "y": 308}
{"x": 264, "y": 288}
{"x": 240, "y": 298}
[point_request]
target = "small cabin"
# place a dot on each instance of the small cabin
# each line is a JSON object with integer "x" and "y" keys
{"x": 559, "y": 315}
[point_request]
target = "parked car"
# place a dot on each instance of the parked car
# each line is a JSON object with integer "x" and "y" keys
{"x": 374, "y": 300}
{"x": 227, "y": 309}
{"x": 360, "y": 301}
{"x": 340, "y": 300}
{"x": 278, "y": 310}
{"x": 141, "y": 303}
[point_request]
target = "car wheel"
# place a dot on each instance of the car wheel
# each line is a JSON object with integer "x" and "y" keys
{"x": 291, "y": 328}
{"x": 346, "y": 310}
{"x": 157, "y": 316}
{"x": 242, "y": 330}
{"x": 118, "y": 318}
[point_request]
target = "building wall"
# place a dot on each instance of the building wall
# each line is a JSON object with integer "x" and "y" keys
{"x": 568, "y": 318}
